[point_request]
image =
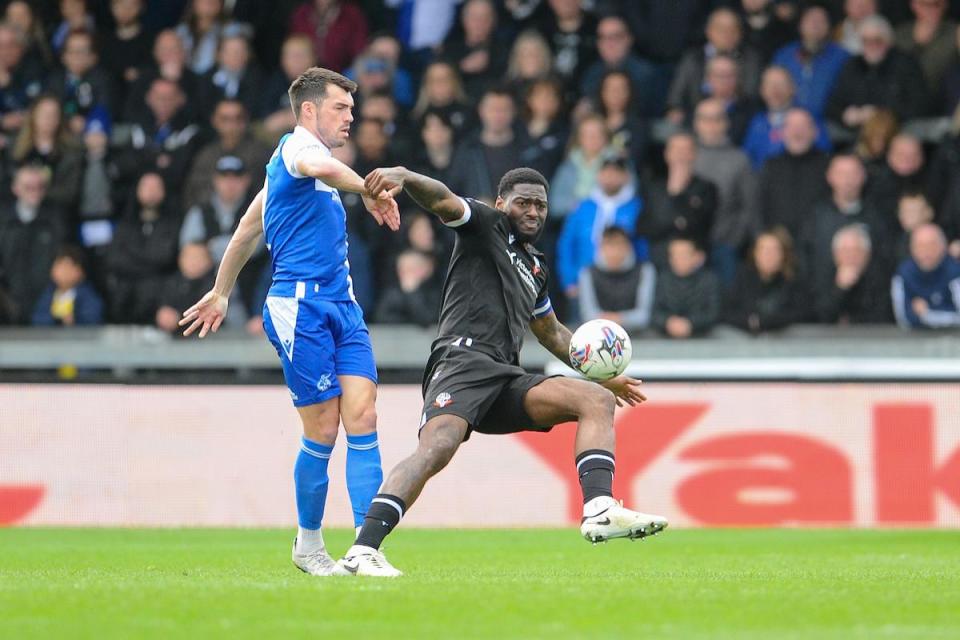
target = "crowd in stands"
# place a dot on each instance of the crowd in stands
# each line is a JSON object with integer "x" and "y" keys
{"x": 752, "y": 163}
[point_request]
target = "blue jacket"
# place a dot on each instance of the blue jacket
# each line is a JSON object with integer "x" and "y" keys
{"x": 580, "y": 238}
{"x": 764, "y": 138}
{"x": 940, "y": 289}
{"x": 87, "y": 307}
{"x": 815, "y": 77}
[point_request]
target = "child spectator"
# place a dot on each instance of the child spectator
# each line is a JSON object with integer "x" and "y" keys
{"x": 616, "y": 287}
{"x": 69, "y": 299}
{"x": 687, "y": 300}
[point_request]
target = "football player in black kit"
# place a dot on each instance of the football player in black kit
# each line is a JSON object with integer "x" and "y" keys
{"x": 495, "y": 289}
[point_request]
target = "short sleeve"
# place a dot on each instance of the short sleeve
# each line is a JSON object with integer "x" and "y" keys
{"x": 298, "y": 143}
{"x": 476, "y": 215}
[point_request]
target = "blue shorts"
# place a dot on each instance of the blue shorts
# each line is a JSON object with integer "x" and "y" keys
{"x": 317, "y": 340}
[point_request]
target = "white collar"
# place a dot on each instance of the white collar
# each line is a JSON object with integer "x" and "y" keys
{"x": 303, "y": 131}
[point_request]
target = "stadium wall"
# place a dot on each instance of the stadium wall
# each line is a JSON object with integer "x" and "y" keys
{"x": 708, "y": 454}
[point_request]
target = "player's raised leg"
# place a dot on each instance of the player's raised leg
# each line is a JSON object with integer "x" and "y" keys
{"x": 359, "y": 414}
{"x": 439, "y": 440}
{"x": 559, "y": 400}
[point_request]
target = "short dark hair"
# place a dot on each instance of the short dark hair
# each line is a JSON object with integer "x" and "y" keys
{"x": 521, "y": 175}
{"x": 614, "y": 232}
{"x": 311, "y": 86}
{"x": 72, "y": 253}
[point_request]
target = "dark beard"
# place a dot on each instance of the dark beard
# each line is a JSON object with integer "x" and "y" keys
{"x": 523, "y": 236}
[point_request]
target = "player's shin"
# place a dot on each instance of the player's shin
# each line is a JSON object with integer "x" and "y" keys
{"x": 364, "y": 473}
{"x": 384, "y": 515}
{"x": 310, "y": 481}
{"x": 595, "y": 468}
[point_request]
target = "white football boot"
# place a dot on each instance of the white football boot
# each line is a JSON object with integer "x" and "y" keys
{"x": 317, "y": 563}
{"x": 605, "y": 519}
{"x": 366, "y": 561}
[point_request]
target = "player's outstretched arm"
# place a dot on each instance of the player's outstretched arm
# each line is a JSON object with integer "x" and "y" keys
{"x": 331, "y": 171}
{"x": 555, "y": 338}
{"x": 208, "y": 313}
{"x": 432, "y": 195}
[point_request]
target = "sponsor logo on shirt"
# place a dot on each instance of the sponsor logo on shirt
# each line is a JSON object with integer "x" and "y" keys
{"x": 524, "y": 271}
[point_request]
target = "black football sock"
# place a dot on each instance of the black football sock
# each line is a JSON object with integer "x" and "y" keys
{"x": 383, "y": 515}
{"x": 595, "y": 468}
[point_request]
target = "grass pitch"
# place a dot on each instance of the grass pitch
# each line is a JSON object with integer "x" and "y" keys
{"x": 483, "y": 584}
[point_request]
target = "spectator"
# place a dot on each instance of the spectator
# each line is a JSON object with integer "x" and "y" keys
{"x": 616, "y": 287}
{"x": 204, "y": 23}
{"x": 21, "y": 80}
{"x": 846, "y": 206}
{"x": 913, "y": 211}
{"x": 442, "y": 90}
{"x": 530, "y": 61}
{"x": 20, "y": 15}
{"x": 477, "y": 51}
{"x": 480, "y": 161}
{"x": 666, "y": 46}
{"x": 213, "y": 222}
{"x": 44, "y": 140}
{"x": 337, "y": 28}
{"x": 874, "y": 138}
{"x": 415, "y": 299}
{"x": 127, "y": 48}
{"x": 931, "y": 39}
{"x": 683, "y": 203}
{"x": 194, "y": 277}
{"x": 296, "y": 57}
{"x": 881, "y": 77}
{"x": 69, "y": 299}
{"x": 571, "y": 32}
{"x": 857, "y": 289}
{"x": 721, "y": 84}
{"x": 855, "y": 13}
{"x": 381, "y": 106}
{"x": 436, "y": 151}
{"x": 170, "y": 63}
{"x": 143, "y": 252}
{"x": 84, "y": 89}
{"x": 547, "y": 131}
{"x": 628, "y": 132}
{"x": 577, "y": 174}
{"x": 99, "y": 199}
{"x": 764, "y": 137}
{"x": 769, "y": 24}
{"x": 615, "y": 45}
{"x": 903, "y": 171}
{"x": 726, "y": 167}
{"x": 423, "y": 24}
{"x": 792, "y": 183}
{"x": 76, "y": 17}
{"x": 31, "y": 230}
{"x": 234, "y": 77}
{"x": 926, "y": 288}
{"x": 724, "y": 37}
{"x": 687, "y": 300}
{"x": 373, "y": 147}
{"x": 377, "y": 70}
{"x": 613, "y": 203}
{"x": 814, "y": 62}
{"x": 230, "y": 121}
{"x": 766, "y": 295}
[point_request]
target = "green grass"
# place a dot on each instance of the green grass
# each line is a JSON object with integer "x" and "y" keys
{"x": 67, "y": 583}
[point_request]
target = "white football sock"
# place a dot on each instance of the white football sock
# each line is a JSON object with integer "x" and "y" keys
{"x": 309, "y": 541}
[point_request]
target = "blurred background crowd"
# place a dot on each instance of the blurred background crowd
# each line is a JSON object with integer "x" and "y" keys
{"x": 754, "y": 163}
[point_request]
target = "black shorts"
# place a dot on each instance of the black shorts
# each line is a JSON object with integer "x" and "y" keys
{"x": 488, "y": 394}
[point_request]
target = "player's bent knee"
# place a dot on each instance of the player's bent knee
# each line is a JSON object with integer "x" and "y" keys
{"x": 597, "y": 399}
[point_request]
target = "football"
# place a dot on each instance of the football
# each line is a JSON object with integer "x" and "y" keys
{"x": 600, "y": 349}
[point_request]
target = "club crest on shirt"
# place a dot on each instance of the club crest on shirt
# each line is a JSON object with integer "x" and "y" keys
{"x": 324, "y": 383}
{"x": 443, "y": 400}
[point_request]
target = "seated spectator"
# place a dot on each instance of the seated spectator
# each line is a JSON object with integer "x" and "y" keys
{"x": 577, "y": 174}
{"x": 614, "y": 202}
{"x": 880, "y": 78}
{"x": 926, "y": 287}
{"x": 296, "y": 56}
{"x": 169, "y": 62}
{"x": 530, "y": 61}
{"x": 416, "y": 298}
{"x": 848, "y": 33}
{"x": 903, "y": 171}
{"x": 856, "y": 288}
{"x": 337, "y": 28}
{"x": 813, "y": 61}
{"x": 381, "y": 106}
{"x": 616, "y": 287}
{"x": 769, "y": 25}
{"x": 724, "y": 38}
{"x": 69, "y": 300}
{"x": 21, "y": 79}
{"x": 546, "y": 127}
{"x": 127, "y": 47}
{"x": 931, "y": 39}
{"x": 46, "y": 141}
{"x": 84, "y": 89}
{"x": 913, "y": 211}
{"x": 20, "y": 15}
{"x": 790, "y": 184}
{"x": 476, "y": 50}
{"x": 31, "y": 230}
{"x": 213, "y": 222}
{"x": 143, "y": 252}
{"x": 381, "y": 70}
{"x": 687, "y": 299}
{"x": 480, "y": 161}
{"x": 76, "y": 17}
{"x": 194, "y": 277}
{"x": 766, "y": 295}
{"x": 874, "y": 139}
{"x": 615, "y": 46}
{"x": 99, "y": 200}
{"x": 615, "y": 102}
{"x": 203, "y": 25}
{"x": 373, "y": 147}
{"x": 233, "y": 77}
{"x": 442, "y": 90}
{"x": 721, "y": 84}
{"x": 436, "y": 151}
{"x": 846, "y": 206}
{"x": 683, "y": 203}
{"x": 571, "y": 32}
{"x": 726, "y": 167}
{"x": 764, "y": 137}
